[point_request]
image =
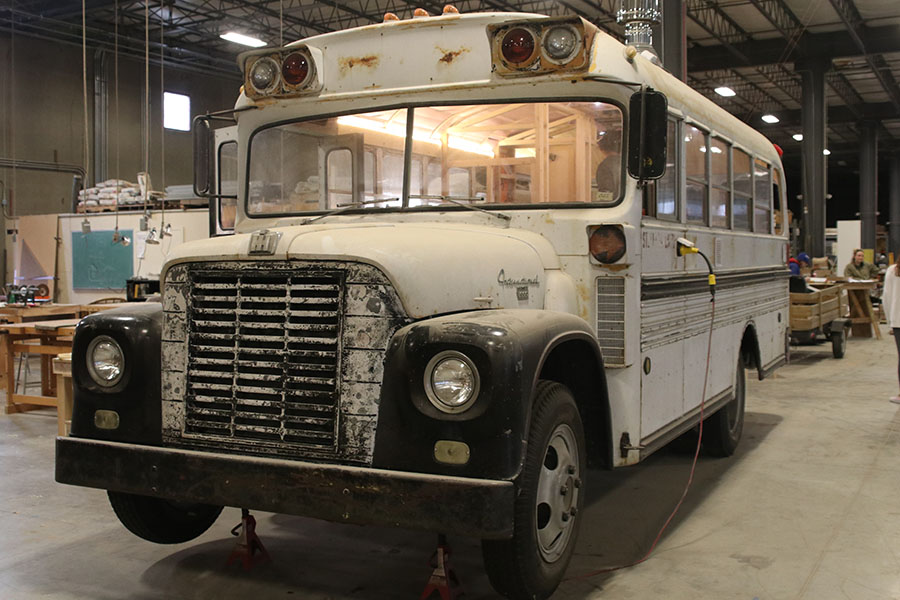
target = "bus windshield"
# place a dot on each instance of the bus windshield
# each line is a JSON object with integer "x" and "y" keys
{"x": 492, "y": 154}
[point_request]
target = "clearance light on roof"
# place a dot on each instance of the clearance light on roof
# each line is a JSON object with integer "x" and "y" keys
{"x": 244, "y": 40}
{"x": 536, "y": 47}
{"x": 399, "y": 130}
{"x": 290, "y": 72}
{"x": 770, "y": 119}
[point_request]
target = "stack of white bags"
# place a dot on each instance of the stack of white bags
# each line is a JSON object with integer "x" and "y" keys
{"x": 109, "y": 193}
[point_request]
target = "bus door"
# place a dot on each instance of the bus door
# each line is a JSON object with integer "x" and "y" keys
{"x": 342, "y": 169}
{"x": 223, "y": 206}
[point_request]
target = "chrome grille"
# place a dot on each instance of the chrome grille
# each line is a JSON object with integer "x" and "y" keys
{"x": 611, "y": 319}
{"x": 264, "y": 356}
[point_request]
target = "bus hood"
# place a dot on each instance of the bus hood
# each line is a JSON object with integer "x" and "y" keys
{"x": 435, "y": 268}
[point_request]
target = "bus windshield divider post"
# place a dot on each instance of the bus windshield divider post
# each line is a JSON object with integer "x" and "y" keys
{"x": 407, "y": 156}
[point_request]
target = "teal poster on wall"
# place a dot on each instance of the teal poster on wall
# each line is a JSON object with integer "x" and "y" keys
{"x": 98, "y": 263}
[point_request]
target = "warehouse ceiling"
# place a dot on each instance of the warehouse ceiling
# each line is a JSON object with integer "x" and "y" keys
{"x": 753, "y": 46}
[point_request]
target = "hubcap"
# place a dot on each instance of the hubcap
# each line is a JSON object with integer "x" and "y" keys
{"x": 557, "y": 494}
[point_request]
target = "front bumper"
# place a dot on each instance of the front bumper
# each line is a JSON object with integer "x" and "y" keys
{"x": 459, "y": 505}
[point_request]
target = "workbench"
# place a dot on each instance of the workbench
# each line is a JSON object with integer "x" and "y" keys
{"x": 46, "y": 338}
{"x": 862, "y": 315}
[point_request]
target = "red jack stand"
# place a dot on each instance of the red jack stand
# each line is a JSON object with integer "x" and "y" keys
{"x": 443, "y": 579}
{"x": 248, "y": 543}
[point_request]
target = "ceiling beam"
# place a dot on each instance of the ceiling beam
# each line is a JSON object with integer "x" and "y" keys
{"x": 836, "y": 44}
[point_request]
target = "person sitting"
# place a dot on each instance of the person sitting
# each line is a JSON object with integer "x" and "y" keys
{"x": 796, "y": 264}
{"x": 859, "y": 268}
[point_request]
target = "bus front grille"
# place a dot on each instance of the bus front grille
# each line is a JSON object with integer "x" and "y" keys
{"x": 264, "y": 357}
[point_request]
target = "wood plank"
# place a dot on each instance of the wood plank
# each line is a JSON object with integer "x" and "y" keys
{"x": 34, "y": 400}
{"x": 35, "y": 349}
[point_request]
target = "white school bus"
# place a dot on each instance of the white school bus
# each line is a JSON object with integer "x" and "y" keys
{"x": 453, "y": 284}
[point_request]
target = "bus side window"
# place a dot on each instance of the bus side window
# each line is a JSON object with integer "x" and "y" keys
{"x": 743, "y": 190}
{"x": 661, "y": 195}
{"x": 762, "y": 197}
{"x": 696, "y": 168}
{"x": 719, "y": 184}
{"x": 776, "y": 201}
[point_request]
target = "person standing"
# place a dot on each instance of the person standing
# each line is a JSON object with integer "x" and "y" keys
{"x": 891, "y": 304}
{"x": 859, "y": 268}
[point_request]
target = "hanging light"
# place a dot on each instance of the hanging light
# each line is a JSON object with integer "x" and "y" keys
{"x": 152, "y": 237}
{"x": 166, "y": 231}
{"x": 85, "y": 226}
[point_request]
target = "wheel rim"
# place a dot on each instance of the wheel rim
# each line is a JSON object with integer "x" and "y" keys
{"x": 559, "y": 485}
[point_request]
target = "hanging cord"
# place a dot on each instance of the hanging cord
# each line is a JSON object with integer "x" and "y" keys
{"x": 8, "y": 212}
{"x": 162, "y": 120}
{"x": 146, "y": 127}
{"x": 682, "y": 249}
{"x": 116, "y": 91}
{"x": 280, "y": 24}
{"x": 87, "y": 157}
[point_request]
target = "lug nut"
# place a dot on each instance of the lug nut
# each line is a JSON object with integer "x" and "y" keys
{"x": 565, "y": 516}
{"x": 571, "y": 469}
{"x": 573, "y": 511}
{"x": 577, "y": 483}
{"x": 563, "y": 490}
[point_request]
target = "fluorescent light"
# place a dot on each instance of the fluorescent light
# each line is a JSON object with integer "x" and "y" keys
{"x": 399, "y": 130}
{"x": 716, "y": 150}
{"x": 798, "y": 137}
{"x": 725, "y": 91}
{"x": 826, "y": 151}
{"x": 770, "y": 118}
{"x": 245, "y": 40}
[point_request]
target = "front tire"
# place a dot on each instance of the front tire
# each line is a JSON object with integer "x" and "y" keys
{"x": 549, "y": 497}
{"x": 722, "y": 431}
{"x": 838, "y": 342}
{"x": 161, "y": 521}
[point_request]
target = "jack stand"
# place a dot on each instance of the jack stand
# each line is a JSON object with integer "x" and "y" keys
{"x": 443, "y": 579}
{"x": 248, "y": 543}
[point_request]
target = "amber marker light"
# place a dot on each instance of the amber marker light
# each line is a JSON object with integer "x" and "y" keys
{"x": 388, "y": 17}
{"x": 518, "y": 45}
{"x": 449, "y": 9}
{"x": 606, "y": 243}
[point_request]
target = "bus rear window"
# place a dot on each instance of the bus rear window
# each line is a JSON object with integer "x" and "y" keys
{"x": 522, "y": 153}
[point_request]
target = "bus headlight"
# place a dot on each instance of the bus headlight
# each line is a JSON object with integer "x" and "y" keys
{"x": 451, "y": 381}
{"x": 105, "y": 361}
{"x": 561, "y": 43}
{"x": 264, "y": 75}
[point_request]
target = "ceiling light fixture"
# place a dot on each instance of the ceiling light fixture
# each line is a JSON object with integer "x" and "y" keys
{"x": 244, "y": 40}
{"x": 798, "y": 137}
{"x": 725, "y": 91}
{"x": 770, "y": 119}
{"x": 826, "y": 151}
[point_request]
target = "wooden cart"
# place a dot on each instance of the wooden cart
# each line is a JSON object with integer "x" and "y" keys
{"x": 821, "y": 315}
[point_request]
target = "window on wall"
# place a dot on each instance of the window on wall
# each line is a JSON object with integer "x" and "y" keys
{"x": 696, "y": 173}
{"x": 176, "y": 111}
{"x": 743, "y": 189}
{"x": 720, "y": 184}
{"x": 762, "y": 197}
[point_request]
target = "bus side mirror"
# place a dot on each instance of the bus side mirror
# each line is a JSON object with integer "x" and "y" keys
{"x": 648, "y": 125}
{"x": 202, "y": 135}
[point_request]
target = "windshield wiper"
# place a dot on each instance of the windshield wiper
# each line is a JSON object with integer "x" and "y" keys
{"x": 459, "y": 201}
{"x": 341, "y": 208}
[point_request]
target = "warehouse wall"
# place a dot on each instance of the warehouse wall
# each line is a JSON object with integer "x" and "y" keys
{"x": 42, "y": 119}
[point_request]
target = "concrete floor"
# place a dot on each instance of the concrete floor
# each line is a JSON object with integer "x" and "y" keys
{"x": 808, "y": 508}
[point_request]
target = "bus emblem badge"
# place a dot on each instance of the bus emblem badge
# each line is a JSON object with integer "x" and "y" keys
{"x": 264, "y": 242}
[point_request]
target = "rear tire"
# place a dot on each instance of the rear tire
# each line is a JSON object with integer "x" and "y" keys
{"x": 161, "y": 521}
{"x": 722, "y": 431}
{"x": 549, "y": 496}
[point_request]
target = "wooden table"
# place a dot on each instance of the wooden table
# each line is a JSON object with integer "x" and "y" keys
{"x": 62, "y": 368}
{"x": 47, "y": 338}
{"x": 862, "y": 315}
{"x": 21, "y": 313}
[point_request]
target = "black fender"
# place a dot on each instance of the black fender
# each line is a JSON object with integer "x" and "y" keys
{"x": 509, "y": 348}
{"x": 136, "y": 397}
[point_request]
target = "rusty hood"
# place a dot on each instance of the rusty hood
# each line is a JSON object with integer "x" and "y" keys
{"x": 435, "y": 268}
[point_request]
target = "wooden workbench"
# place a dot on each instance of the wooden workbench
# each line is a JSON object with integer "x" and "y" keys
{"x": 47, "y": 338}
{"x": 862, "y": 315}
